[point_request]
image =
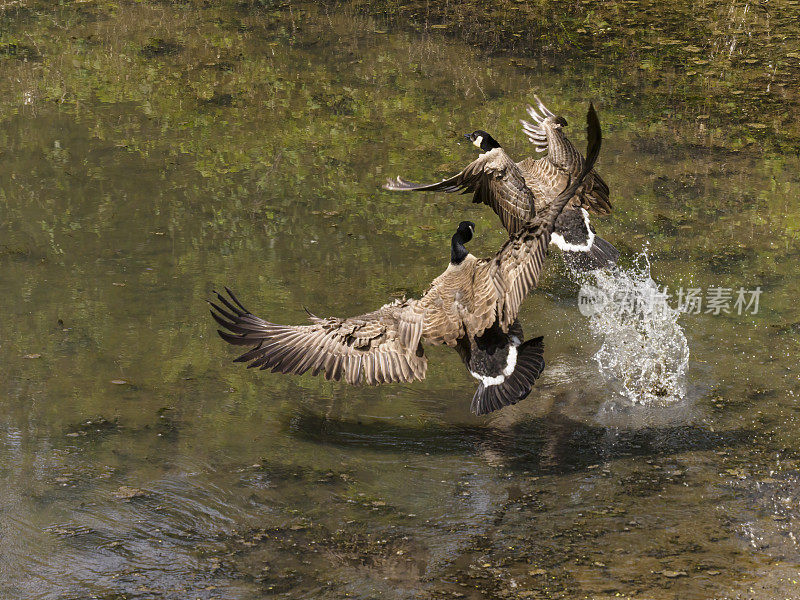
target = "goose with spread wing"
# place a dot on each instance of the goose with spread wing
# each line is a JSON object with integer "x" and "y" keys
{"x": 518, "y": 191}
{"x": 472, "y": 307}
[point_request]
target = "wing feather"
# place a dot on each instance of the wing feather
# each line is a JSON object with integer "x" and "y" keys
{"x": 494, "y": 179}
{"x": 549, "y": 176}
{"x": 378, "y": 347}
{"x": 517, "y": 266}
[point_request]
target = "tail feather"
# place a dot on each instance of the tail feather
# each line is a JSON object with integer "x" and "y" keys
{"x": 600, "y": 255}
{"x": 515, "y": 387}
{"x": 583, "y": 249}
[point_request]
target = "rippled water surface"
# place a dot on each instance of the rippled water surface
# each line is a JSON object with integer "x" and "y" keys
{"x": 152, "y": 151}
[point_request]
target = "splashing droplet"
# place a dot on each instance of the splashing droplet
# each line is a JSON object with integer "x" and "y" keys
{"x": 644, "y": 351}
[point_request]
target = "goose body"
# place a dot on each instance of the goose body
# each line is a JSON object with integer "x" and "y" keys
{"x": 472, "y": 306}
{"x": 503, "y": 364}
{"x": 518, "y": 191}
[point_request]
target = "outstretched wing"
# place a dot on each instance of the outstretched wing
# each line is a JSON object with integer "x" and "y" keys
{"x": 494, "y": 179}
{"x": 549, "y": 176}
{"x": 378, "y": 347}
{"x": 536, "y": 132}
{"x": 517, "y": 266}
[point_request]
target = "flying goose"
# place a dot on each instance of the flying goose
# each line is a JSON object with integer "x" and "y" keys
{"x": 517, "y": 191}
{"x": 472, "y": 307}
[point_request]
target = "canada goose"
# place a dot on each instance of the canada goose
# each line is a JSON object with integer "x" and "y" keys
{"x": 516, "y": 191}
{"x": 472, "y": 306}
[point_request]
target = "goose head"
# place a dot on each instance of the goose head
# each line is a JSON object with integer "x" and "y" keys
{"x": 482, "y": 140}
{"x": 465, "y": 231}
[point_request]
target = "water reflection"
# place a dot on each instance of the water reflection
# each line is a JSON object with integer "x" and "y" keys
{"x": 552, "y": 444}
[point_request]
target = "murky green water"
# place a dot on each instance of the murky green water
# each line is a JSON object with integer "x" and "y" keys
{"x": 152, "y": 151}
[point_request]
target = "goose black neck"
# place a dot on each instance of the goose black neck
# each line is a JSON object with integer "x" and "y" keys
{"x": 489, "y": 143}
{"x": 457, "y": 250}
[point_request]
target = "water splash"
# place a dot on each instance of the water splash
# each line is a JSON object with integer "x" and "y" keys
{"x": 644, "y": 351}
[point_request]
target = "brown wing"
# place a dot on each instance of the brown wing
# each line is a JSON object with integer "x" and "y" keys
{"x": 544, "y": 179}
{"x": 537, "y": 133}
{"x": 595, "y": 197}
{"x": 549, "y": 176}
{"x": 458, "y": 303}
{"x": 517, "y": 266}
{"x": 378, "y": 347}
{"x": 494, "y": 179}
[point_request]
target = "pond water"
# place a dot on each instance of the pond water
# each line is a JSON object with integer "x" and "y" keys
{"x": 151, "y": 152}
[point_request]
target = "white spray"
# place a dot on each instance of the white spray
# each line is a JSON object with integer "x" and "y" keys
{"x": 644, "y": 351}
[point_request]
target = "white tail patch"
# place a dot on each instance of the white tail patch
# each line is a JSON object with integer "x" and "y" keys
{"x": 564, "y": 245}
{"x": 511, "y": 363}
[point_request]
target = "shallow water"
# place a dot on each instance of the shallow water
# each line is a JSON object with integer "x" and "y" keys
{"x": 151, "y": 152}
